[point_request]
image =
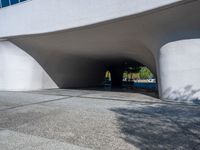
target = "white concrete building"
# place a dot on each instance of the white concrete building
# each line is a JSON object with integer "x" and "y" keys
{"x": 68, "y": 43}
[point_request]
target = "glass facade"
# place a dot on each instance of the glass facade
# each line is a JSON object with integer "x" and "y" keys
{"x": 5, "y": 3}
{"x": 14, "y": 2}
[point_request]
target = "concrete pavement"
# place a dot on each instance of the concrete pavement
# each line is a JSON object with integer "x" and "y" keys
{"x": 99, "y": 120}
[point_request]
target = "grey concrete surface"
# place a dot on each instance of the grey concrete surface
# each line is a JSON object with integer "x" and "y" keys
{"x": 99, "y": 120}
{"x": 15, "y": 99}
{"x": 11, "y": 140}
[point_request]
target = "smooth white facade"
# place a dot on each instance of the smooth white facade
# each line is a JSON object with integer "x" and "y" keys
{"x": 70, "y": 42}
{"x": 180, "y": 70}
{"x": 19, "y": 71}
{"x": 44, "y": 16}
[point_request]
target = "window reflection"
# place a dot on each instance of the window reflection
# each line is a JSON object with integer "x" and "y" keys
{"x": 5, "y": 3}
{"x": 14, "y": 2}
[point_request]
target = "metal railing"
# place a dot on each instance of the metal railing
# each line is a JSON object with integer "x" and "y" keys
{"x": 6, "y": 3}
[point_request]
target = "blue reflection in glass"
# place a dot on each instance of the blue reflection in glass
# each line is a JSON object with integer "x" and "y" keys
{"x": 14, "y": 2}
{"x": 5, "y": 3}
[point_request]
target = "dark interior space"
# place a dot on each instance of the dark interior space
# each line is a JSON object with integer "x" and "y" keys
{"x": 128, "y": 77}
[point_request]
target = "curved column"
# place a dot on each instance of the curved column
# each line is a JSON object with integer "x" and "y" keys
{"x": 179, "y": 70}
{"x": 19, "y": 71}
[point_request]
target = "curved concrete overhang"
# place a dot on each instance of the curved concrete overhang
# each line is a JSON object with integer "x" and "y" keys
{"x": 36, "y": 16}
{"x": 130, "y": 38}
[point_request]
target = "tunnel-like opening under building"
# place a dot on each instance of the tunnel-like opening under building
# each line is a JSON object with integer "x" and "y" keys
{"x": 76, "y": 53}
{"x": 132, "y": 76}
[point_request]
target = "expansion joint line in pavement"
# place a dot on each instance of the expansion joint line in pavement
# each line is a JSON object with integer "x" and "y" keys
{"x": 167, "y": 102}
{"x": 137, "y": 101}
{"x": 116, "y": 99}
{"x": 41, "y": 102}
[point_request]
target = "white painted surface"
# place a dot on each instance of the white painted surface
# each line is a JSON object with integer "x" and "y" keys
{"x": 19, "y": 71}
{"x": 180, "y": 70}
{"x": 42, "y": 16}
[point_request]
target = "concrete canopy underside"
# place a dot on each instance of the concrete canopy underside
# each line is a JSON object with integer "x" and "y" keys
{"x": 78, "y": 57}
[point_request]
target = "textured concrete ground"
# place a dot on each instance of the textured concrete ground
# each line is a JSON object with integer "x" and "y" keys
{"x": 99, "y": 120}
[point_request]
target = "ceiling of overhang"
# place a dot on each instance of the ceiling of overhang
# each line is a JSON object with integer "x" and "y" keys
{"x": 134, "y": 37}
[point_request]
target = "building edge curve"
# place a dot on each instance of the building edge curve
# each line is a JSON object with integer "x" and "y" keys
{"x": 179, "y": 69}
{"x": 20, "y": 72}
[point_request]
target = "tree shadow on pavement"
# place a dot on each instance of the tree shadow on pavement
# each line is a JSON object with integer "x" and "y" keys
{"x": 160, "y": 126}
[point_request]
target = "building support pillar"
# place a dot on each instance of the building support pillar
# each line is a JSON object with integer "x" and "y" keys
{"x": 179, "y": 70}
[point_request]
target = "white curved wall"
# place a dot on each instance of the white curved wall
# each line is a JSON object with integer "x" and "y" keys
{"x": 180, "y": 70}
{"x": 42, "y": 16}
{"x": 19, "y": 71}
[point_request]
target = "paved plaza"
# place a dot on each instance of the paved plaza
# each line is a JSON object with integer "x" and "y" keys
{"x": 100, "y": 120}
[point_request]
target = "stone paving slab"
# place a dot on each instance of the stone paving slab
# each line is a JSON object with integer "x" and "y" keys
{"x": 15, "y": 99}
